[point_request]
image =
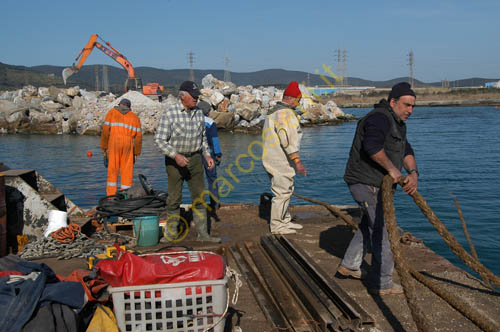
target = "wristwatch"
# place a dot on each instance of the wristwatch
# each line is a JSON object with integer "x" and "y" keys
{"x": 411, "y": 171}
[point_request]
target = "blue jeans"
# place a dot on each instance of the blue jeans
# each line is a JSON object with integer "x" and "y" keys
{"x": 371, "y": 233}
{"x": 211, "y": 177}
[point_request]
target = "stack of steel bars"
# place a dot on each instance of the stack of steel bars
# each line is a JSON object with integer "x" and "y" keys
{"x": 294, "y": 293}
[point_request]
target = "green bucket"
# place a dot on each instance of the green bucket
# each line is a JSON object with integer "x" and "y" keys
{"x": 147, "y": 230}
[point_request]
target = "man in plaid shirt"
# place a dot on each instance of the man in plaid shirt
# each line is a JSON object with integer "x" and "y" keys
{"x": 181, "y": 137}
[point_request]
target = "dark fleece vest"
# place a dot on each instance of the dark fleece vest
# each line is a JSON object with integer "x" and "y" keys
{"x": 360, "y": 167}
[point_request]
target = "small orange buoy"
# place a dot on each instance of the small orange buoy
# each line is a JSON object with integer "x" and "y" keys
{"x": 89, "y": 154}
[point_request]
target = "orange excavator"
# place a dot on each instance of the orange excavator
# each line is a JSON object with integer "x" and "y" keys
{"x": 132, "y": 82}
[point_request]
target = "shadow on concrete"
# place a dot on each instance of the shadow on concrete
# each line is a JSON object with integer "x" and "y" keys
{"x": 387, "y": 312}
{"x": 452, "y": 282}
{"x": 336, "y": 239}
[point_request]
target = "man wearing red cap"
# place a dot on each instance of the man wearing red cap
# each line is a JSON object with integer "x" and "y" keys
{"x": 280, "y": 157}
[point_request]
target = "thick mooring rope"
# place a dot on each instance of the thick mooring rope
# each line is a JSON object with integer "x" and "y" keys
{"x": 450, "y": 240}
{"x": 407, "y": 281}
{"x": 467, "y": 236}
{"x": 485, "y": 323}
{"x": 336, "y": 211}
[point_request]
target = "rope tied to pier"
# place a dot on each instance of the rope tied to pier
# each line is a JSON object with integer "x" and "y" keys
{"x": 405, "y": 272}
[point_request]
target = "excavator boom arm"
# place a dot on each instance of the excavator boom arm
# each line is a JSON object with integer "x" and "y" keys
{"x": 121, "y": 59}
{"x": 85, "y": 52}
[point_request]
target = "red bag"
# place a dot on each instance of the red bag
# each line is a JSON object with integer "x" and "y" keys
{"x": 161, "y": 268}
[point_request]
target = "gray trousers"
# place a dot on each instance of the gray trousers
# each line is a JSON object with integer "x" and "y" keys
{"x": 371, "y": 233}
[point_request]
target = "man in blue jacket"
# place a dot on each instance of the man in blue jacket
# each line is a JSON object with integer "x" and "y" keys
{"x": 213, "y": 143}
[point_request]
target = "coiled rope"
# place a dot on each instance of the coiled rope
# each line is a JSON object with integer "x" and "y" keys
{"x": 67, "y": 234}
{"x": 118, "y": 205}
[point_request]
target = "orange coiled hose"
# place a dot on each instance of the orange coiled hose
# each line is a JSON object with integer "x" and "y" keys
{"x": 67, "y": 234}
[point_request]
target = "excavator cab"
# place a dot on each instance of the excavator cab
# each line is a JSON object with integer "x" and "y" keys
{"x": 134, "y": 84}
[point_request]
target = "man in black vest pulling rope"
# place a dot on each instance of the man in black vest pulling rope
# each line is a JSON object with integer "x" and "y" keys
{"x": 379, "y": 148}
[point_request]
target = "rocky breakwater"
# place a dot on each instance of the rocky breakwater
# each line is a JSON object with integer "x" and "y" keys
{"x": 67, "y": 111}
{"x": 244, "y": 108}
{"x": 50, "y": 110}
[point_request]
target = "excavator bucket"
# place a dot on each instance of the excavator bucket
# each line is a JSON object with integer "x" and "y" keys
{"x": 67, "y": 72}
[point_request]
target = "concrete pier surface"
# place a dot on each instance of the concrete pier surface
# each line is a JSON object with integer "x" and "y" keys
{"x": 324, "y": 238}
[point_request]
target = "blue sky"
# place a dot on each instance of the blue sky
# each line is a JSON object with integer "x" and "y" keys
{"x": 450, "y": 39}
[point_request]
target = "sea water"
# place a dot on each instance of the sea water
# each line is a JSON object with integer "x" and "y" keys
{"x": 457, "y": 151}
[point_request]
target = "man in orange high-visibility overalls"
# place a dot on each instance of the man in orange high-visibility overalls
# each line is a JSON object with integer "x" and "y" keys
{"x": 121, "y": 142}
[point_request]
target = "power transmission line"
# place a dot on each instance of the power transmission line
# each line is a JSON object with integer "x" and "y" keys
{"x": 96, "y": 78}
{"x": 105, "y": 79}
{"x": 338, "y": 56}
{"x": 341, "y": 59}
{"x": 191, "y": 61}
{"x": 344, "y": 66}
{"x": 411, "y": 63}
{"x": 227, "y": 73}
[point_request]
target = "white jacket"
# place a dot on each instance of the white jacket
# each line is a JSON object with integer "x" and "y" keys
{"x": 281, "y": 135}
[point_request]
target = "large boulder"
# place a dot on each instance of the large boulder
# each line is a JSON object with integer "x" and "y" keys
{"x": 313, "y": 113}
{"x": 72, "y": 92}
{"x": 29, "y": 90}
{"x": 228, "y": 88}
{"x": 50, "y": 106}
{"x": 53, "y": 91}
{"x": 235, "y": 98}
{"x": 8, "y": 107}
{"x": 223, "y": 120}
{"x": 208, "y": 82}
{"x": 247, "y": 111}
{"x": 216, "y": 98}
{"x": 206, "y": 92}
{"x": 40, "y": 117}
{"x": 223, "y": 106}
{"x": 44, "y": 128}
{"x": 64, "y": 99}
{"x": 44, "y": 92}
{"x": 247, "y": 98}
{"x": 77, "y": 102}
{"x": 8, "y": 95}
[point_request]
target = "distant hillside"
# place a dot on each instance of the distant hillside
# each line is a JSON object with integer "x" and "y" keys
{"x": 14, "y": 77}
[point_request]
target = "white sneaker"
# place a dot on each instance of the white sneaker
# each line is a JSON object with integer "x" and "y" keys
{"x": 284, "y": 232}
{"x": 292, "y": 225}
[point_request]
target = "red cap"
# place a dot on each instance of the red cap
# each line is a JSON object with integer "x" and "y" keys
{"x": 293, "y": 90}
